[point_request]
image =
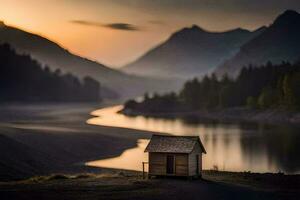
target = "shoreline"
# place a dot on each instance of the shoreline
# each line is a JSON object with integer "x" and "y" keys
{"x": 47, "y": 139}
{"x": 57, "y": 139}
{"x": 230, "y": 115}
{"x": 68, "y": 149}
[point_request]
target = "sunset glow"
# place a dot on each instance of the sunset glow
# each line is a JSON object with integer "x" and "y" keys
{"x": 155, "y": 20}
{"x": 149, "y": 99}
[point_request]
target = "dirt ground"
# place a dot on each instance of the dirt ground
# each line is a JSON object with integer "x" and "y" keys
{"x": 123, "y": 185}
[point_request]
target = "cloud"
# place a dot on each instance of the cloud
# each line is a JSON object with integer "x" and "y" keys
{"x": 116, "y": 26}
{"x": 122, "y": 26}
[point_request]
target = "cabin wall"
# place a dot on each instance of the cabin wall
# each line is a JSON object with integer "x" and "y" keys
{"x": 158, "y": 164}
{"x": 192, "y": 160}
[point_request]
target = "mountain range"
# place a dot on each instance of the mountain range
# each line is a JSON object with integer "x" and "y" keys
{"x": 190, "y": 52}
{"x": 113, "y": 83}
{"x": 279, "y": 42}
{"x": 193, "y": 52}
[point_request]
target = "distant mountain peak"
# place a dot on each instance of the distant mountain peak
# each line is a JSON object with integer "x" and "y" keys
{"x": 239, "y": 30}
{"x": 260, "y": 28}
{"x": 189, "y": 52}
{"x": 188, "y": 32}
{"x": 196, "y": 27}
{"x": 277, "y": 43}
{"x": 289, "y": 13}
{"x": 289, "y": 17}
{"x": 2, "y": 23}
{"x": 193, "y": 28}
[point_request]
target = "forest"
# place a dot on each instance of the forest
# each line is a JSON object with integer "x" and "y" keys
{"x": 23, "y": 79}
{"x": 257, "y": 87}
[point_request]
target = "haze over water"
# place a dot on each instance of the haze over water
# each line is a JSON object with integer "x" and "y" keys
{"x": 230, "y": 146}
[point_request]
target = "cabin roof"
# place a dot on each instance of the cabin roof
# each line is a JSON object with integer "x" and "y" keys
{"x": 173, "y": 144}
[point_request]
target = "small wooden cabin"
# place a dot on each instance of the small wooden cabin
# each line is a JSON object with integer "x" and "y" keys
{"x": 175, "y": 156}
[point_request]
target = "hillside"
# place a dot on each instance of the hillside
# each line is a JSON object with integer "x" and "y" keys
{"x": 190, "y": 52}
{"x": 279, "y": 42}
{"x": 22, "y": 79}
{"x": 19, "y": 160}
{"x": 114, "y": 83}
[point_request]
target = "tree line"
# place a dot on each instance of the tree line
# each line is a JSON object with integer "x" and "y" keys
{"x": 260, "y": 87}
{"x": 24, "y": 79}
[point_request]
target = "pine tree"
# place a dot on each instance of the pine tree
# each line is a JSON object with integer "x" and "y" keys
{"x": 288, "y": 95}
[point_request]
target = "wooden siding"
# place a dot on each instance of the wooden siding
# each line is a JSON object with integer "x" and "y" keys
{"x": 181, "y": 164}
{"x": 157, "y": 164}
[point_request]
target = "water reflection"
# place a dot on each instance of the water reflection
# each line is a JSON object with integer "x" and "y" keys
{"x": 230, "y": 146}
{"x": 131, "y": 159}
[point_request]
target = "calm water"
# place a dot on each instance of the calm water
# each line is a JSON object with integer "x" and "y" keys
{"x": 232, "y": 147}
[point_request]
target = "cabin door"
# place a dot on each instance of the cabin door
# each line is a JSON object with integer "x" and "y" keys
{"x": 170, "y": 164}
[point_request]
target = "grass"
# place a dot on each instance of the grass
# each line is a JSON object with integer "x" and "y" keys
{"x": 255, "y": 180}
{"x": 56, "y": 177}
{"x": 265, "y": 180}
{"x": 125, "y": 175}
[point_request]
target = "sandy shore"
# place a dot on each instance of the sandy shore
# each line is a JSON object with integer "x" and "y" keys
{"x": 43, "y": 139}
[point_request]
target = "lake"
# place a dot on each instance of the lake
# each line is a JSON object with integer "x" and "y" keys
{"x": 230, "y": 146}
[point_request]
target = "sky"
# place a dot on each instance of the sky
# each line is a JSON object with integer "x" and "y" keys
{"x": 116, "y": 32}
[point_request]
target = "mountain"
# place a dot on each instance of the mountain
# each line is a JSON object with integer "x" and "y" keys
{"x": 32, "y": 83}
{"x": 190, "y": 52}
{"x": 279, "y": 42}
{"x": 113, "y": 83}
